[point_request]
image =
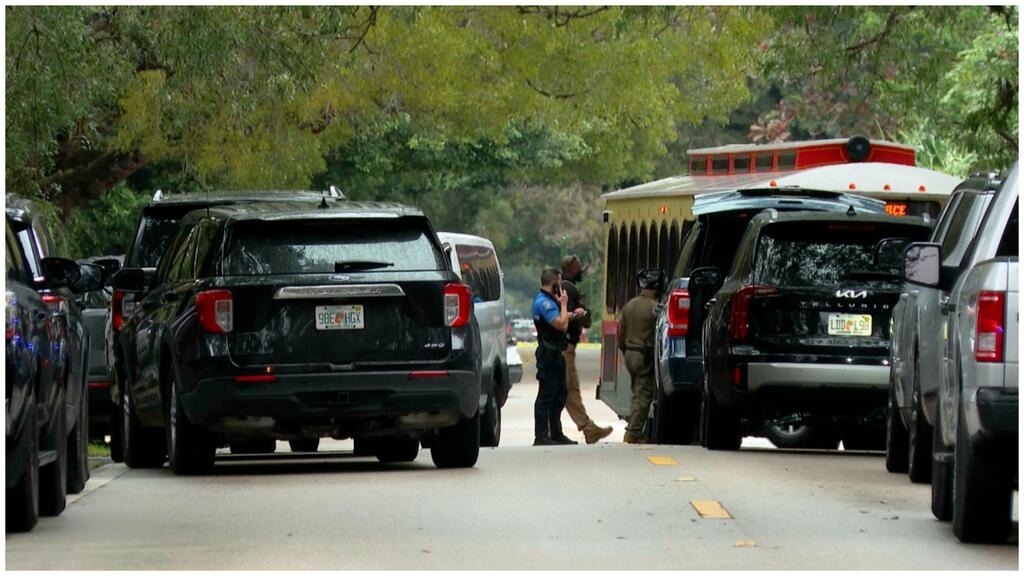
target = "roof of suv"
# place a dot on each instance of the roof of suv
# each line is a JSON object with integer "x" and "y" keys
{"x": 783, "y": 199}
{"x": 297, "y": 210}
{"x": 179, "y": 200}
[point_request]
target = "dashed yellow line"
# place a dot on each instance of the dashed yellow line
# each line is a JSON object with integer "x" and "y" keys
{"x": 710, "y": 509}
{"x": 661, "y": 461}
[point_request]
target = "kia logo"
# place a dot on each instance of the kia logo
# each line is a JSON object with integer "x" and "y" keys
{"x": 851, "y": 294}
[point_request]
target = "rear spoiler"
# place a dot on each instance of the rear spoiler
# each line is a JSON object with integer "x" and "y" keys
{"x": 784, "y": 198}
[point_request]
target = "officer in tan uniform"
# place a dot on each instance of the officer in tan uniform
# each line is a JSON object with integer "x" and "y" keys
{"x": 636, "y": 342}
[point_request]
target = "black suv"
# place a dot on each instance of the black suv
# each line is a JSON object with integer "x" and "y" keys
{"x": 799, "y": 332}
{"x": 157, "y": 224}
{"x": 38, "y": 393}
{"x": 298, "y": 320}
{"x": 712, "y": 242}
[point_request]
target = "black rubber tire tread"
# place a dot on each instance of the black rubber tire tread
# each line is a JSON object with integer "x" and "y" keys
{"x": 721, "y": 426}
{"x": 141, "y": 447}
{"x": 942, "y": 477}
{"x": 257, "y": 446}
{"x": 22, "y": 499}
{"x": 457, "y": 446}
{"x": 982, "y": 492}
{"x": 304, "y": 445}
{"x": 896, "y": 439}
{"x": 53, "y": 478}
{"x": 818, "y": 437}
{"x": 192, "y": 450}
{"x": 919, "y": 445}
{"x": 116, "y": 431}
{"x": 676, "y": 419}
{"x": 78, "y": 448}
{"x": 391, "y": 450}
{"x": 490, "y": 424}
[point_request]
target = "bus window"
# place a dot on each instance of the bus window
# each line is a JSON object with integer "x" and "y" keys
{"x": 631, "y": 268}
{"x": 663, "y": 251}
{"x": 698, "y": 165}
{"x": 787, "y": 160}
{"x": 652, "y": 246}
{"x": 624, "y": 280}
{"x": 720, "y": 165}
{"x": 764, "y": 162}
{"x": 741, "y": 164}
{"x": 610, "y": 274}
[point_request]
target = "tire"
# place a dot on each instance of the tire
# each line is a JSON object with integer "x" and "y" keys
{"x": 304, "y": 445}
{"x": 141, "y": 447}
{"x": 721, "y": 426}
{"x": 391, "y": 450}
{"x": 53, "y": 478}
{"x": 457, "y": 446}
{"x": 676, "y": 418}
{"x": 78, "y": 448}
{"x": 23, "y": 498}
{"x": 257, "y": 446}
{"x": 866, "y": 438}
{"x": 896, "y": 439}
{"x": 116, "y": 431}
{"x": 822, "y": 437}
{"x": 982, "y": 491}
{"x": 919, "y": 444}
{"x": 190, "y": 448}
{"x": 942, "y": 477}
{"x": 490, "y": 424}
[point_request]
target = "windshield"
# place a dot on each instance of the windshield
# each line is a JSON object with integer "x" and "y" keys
{"x": 296, "y": 247}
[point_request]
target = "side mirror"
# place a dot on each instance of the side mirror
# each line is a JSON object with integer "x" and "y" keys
{"x": 706, "y": 277}
{"x": 889, "y": 253}
{"x": 921, "y": 264}
{"x": 131, "y": 280}
{"x": 110, "y": 265}
{"x": 90, "y": 277}
{"x": 59, "y": 272}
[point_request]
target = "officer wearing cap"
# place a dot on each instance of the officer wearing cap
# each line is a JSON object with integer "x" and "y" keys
{"x": 551, "y": 318}
{"x": 636, "y": 342}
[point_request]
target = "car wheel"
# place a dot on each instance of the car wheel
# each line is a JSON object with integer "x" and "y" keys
{"x": 895, "y": 434}
{"x": 190, "y": 449}
{"x": 457, "y": 446}
{"x": 490, "y": 425}
{"x": 942, "y": 476}
{"x": 800, "y": 436}
{"x": 116, "y": 432}
{"x": 53, "y": 478}
{"x": 22, "y": 499}
{"x": 141, "y": 447}
{"x": 304, "y": 445}
{"x": 397, "y": 449}
{"x": 257, "y": 446}
{"x": 919, "y": 451}
{"x": 78, "y": 448}
{"x": 982, "y": 491}
{"x": 721, "y": 426}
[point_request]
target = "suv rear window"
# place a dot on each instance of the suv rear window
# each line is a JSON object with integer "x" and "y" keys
{"x": 823, "y": 254}
{"x": 297, "y": 247}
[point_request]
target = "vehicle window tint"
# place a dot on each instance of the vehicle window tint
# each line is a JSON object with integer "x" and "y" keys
{"x": 31, "y": 251}
{"x": 683, "y": 266}
{"x": 479, "y": 267}
{"x": 822, "y": 254}
{"x": 308, "y": 247}
{"x": 206, "y": 246}
{"x": 962, "y": 226}
{"x": 154, "y": 241}
{"x": 1008, "y": 245}
{"x": 169, "y": 266}
{"x": 16, "y": 265}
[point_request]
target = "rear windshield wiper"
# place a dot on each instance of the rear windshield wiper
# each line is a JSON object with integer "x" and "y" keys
{"x": 350, "y": 265}
{"x": 871, "y": 275}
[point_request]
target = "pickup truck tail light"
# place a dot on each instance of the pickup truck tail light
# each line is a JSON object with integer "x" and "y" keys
{"x": 739, "y": 320}
{"x": 456, "y": 305}
{"x": 988, "y": 342}
{"x": 216, "y": 311}
{"x": 679, "y": 312}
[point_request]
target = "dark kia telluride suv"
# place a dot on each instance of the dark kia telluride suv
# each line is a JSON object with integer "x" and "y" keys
{"x": 300, "y": 320}
{"x": 799, "y": 332}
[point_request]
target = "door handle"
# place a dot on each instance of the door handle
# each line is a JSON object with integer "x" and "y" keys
{"x": 945, "y": 306}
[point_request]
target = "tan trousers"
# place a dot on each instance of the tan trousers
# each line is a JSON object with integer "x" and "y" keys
{"x": 644, "y": 387}
{"x": 574, "y": 400}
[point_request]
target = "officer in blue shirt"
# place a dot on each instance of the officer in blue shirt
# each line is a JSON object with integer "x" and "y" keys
{"x": 551, "y": 318}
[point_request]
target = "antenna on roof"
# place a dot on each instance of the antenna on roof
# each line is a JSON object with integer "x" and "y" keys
{"x": 850, "y": 211}
{"x": 323, "y": 202}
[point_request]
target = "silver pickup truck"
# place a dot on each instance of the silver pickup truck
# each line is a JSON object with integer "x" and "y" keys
{"x": 975, "y": 439}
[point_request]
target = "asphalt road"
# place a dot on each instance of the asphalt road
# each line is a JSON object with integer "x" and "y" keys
{"x": 605, "y": 506}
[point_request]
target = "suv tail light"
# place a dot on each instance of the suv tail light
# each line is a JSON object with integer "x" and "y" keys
{"x": 11, "y": 316}
{"x": 739, "y": 321}
{"x": 988, "y": 342}
{"x": 216, "y": 311}
{"x": 51, "y": 298}
{"x": 116, "y": 313}
{"x": 456, "y": 305}
{"x": 679, "y": 312}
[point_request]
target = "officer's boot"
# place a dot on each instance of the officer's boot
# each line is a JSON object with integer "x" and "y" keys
{"x": 592, "y": 432}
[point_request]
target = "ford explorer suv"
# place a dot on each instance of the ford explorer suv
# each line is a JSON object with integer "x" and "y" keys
{"x": 799, "y": 330}
{"x": 295, "y": 321}
{"x": 711, "y": 243}
{"x": 976, "y": 431}
{"x": 917, "y": 334}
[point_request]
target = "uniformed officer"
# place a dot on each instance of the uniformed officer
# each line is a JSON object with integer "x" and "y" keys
{"x": 636, "y": 342}
{"x": 579, "y": 318}
{"x": 551, "y": 317}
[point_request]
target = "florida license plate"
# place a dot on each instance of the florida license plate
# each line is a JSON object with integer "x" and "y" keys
{"x": 849, "y": 325}
{"x": 339, "y": 317}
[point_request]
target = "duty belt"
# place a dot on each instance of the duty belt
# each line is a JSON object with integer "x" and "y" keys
{"x": 639, "y": 348}
{"x": 554, "y": 345}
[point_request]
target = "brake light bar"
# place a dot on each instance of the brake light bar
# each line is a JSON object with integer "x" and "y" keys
{"x": 420, "y": 374}
{"x": 990, "y": 329}
{"x": 739, "y": 321}
{"x": 98, "y": 385}
{"x": 255, "y": 378}
{"x": 679, "y": 312}
{"x": 216, "y": 311}
{"x": 456, "y": 305}
{"x": 51, "y": 298}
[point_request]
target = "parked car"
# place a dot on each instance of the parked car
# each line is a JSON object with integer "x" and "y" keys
{"x": 96, "y": 312}
{"x": 350, "y": 324}
{"x": 799, "y": 330}
{"x": 976, "y": 432}
{"x": 515, "y": 364}
{"x": 524, "y": 330}
{"x": 712, "y": 241}
{"x": 158, "y": 222}
{"x": 917, "y": 334}
{"x": 36, "y": 388}
{"x": 70, "y": 339}
{"x": 476, "y": 262}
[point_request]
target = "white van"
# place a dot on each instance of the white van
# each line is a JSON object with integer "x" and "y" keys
{"x": 474, "y": 259}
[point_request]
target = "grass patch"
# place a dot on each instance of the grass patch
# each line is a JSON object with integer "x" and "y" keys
{"x": 99, "y": 450}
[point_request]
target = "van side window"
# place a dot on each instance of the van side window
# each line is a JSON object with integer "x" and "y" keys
{"x": 1008, "y": 245}
{"x": 479, "y": 267}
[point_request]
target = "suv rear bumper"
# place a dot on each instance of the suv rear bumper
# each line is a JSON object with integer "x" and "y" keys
{"x": 997, "y": 412}
{"x": 684, "y": 375}
{"x": 348, "y": 396}
{"x": 797, "y": 375}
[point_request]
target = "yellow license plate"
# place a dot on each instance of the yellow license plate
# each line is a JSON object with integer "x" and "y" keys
{"x": 849, "y": 325}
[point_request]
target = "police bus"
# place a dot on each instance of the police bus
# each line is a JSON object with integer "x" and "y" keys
{"x": 645, "y": 225}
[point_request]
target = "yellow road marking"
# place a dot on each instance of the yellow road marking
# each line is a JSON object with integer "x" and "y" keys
{"x": 661, "y": 461}
{"x": 685, "y": 479}
{"x": 746, "y": 544}
{"x": 710, "y": 509}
